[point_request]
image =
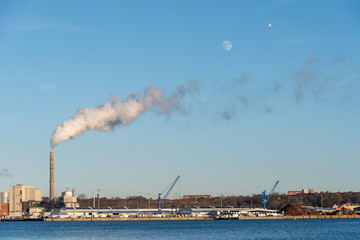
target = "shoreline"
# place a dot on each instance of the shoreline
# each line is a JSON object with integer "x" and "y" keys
{"x": 107, "y": 219}
{"x": 200, "y": 218}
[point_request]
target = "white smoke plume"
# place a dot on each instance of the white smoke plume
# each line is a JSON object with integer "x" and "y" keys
{"x": 5, "y": 173}
{"x": 109, "y": 115}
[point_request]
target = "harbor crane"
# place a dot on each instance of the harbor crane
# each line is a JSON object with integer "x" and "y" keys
{"x": 265, "y": 197}
{"x": 172, "y": 185}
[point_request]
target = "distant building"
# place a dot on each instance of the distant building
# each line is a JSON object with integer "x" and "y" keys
{"x": 4, "y": 197}
{"x": 196, "y": 197}
{"x": 293, "y": 193}
{"x": 304, "y": 191}
{"x": 308, "y": 191}
{"x": 69, "y": 199}
{"x": 21, "y": 196}
{"x": 36, "y": 212}
{"x": 4, "y": 204}
{"x": 4, "y": 210}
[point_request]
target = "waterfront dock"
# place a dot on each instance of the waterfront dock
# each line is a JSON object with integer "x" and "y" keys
{"x": 199, "y": 218}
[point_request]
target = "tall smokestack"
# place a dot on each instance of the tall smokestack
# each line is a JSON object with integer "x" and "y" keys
{"x": 52, "y": 180}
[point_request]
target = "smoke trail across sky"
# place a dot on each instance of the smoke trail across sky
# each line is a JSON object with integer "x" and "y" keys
{"x": 5, "y": 173}
{"x": 109, "y": 115}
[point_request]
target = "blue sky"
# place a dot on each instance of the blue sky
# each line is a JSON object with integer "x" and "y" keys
{"x": 282, "y": 104}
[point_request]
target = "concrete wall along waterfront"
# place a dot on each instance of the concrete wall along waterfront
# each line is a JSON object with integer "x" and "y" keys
{"x": 198, "y": 218}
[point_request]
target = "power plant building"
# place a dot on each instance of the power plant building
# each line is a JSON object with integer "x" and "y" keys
{"x": 4, "y": 197}
{"x": 21, "y": 196}
{"x": 4, "y": 204}
{"x": 69, "y": 199}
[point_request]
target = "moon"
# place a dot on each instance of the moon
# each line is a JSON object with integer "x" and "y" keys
{"x": 227, "y": 45}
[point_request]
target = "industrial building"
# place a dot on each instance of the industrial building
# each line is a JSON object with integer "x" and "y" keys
{"x": 4, "y": 210}
{"x": 294, "y": 193}
{"x": 4, "y": 204}
{"x": 20, "y": 198}
{"x": 196, "y": 197}
{"x": 125, "y": 212}
{"x": 304, "y": 191}
{"x": 4, "y": 197}
{"x": 69, "y": 200}
{"x": 94, "y": 212}
{"x": 308, "y": 191}
{"x": 228, "y": 211}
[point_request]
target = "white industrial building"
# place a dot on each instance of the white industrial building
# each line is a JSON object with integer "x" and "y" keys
{"x": 4, "y": 197}
{"x": 69, "y": 199}
{"x": 90, "y": 212}
{"x": 230, "y": 211}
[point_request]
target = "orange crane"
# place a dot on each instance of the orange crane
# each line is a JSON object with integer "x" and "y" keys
{"x": 346, "y": 204}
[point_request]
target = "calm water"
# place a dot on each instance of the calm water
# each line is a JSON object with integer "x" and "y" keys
{"x": 244, "y": 229}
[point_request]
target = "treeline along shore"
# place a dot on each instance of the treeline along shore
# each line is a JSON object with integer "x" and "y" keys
{"x": 277, "y": 201}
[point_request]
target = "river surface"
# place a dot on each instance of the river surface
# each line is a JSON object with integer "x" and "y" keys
{"x": 228, "y": 229}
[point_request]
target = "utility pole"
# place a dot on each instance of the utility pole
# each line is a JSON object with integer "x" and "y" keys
{"x": 98, "y": 197}
{"x": 321, "y": 202}
{"x": 221, "y": 197}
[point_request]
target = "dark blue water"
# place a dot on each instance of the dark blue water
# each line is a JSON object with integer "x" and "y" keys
{"x": 245, "y": 229}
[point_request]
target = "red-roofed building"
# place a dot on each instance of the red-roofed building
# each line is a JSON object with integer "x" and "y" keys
{"x": 196, "y": 197}
{"x": 293, "y": 193}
